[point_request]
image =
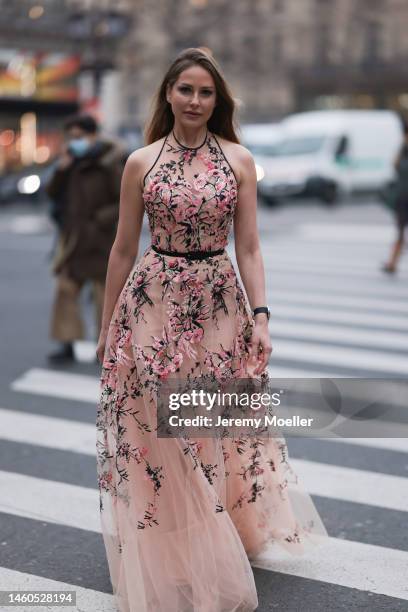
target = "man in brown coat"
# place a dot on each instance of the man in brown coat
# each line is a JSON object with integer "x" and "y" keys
{"x": 86, "y": 187}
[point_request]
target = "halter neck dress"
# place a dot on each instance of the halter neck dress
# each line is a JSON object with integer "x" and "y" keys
{"x": 181, "y": 517}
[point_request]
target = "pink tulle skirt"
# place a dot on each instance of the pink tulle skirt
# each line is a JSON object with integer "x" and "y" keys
{"x": 182, "y": 518}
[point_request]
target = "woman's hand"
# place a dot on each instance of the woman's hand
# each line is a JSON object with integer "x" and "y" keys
{"x": 260, "y": 345}
{"x": 100, "y": 349}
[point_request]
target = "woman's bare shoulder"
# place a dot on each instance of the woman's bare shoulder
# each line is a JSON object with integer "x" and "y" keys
{"x": 141, "y": 160}
{"x": 139, "y": 156}
{"x": 238, "y": 156}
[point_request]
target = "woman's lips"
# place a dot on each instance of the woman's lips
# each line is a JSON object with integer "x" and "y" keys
{"x": 192, "y": 114}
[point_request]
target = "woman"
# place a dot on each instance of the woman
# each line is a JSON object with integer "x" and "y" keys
{"x": 179, "y": 516}
{"x": 401, "y": 204}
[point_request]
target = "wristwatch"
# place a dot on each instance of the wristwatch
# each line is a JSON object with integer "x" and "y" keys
{"x": 264, "y": 309}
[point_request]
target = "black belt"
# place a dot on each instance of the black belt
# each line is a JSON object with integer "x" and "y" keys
{"x": 188, "y": 254}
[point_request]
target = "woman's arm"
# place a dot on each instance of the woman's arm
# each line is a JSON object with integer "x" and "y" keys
{"x": 248, "y": 254}
{"x": 125, "y": 247}
{"x": 247, "y": 248}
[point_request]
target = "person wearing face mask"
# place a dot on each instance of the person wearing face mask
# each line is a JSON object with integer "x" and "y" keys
{"x": 85, "y": 190}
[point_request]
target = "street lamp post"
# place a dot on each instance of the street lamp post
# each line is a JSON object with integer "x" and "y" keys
{"x": 101, "y": 29}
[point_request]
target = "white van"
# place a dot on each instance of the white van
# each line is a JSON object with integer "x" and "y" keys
{"x": 261, "y": 139}
{"x": 327, "y": 154}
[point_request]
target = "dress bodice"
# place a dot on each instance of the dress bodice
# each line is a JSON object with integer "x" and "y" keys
{"x": 190, "y": 196}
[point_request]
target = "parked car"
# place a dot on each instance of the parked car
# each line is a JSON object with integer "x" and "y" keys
{"x": 329, "y": 154}
{"x": 27, "y": 184}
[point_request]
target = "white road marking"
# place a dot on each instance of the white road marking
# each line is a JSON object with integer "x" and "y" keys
{"x": 315, "y": 353}
{"x": 351, "y": 336}
{"x": 40, "y": 381}
{"x": 353, "y": 485}
{"x": 340, "y": 316}
{"x": 49, "y": 432}
{"x": 76, "y": 437}
{"x": 354, "y": 565}
{"x": 321, "y": 299}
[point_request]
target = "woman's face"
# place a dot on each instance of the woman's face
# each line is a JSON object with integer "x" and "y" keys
{"x": 192, "y": 97}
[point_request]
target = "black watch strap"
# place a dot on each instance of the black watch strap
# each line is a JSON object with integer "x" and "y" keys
{"x": 264, "y": 309}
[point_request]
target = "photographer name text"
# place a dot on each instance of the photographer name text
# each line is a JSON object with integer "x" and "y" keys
{"x": 266, "y": 421}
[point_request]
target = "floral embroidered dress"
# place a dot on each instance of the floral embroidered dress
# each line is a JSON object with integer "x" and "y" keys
{"x": 181, "y": 517}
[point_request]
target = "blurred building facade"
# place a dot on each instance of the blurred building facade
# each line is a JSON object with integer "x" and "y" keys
{"x": 108, "y": 57}
{"x": 278, "y": 55}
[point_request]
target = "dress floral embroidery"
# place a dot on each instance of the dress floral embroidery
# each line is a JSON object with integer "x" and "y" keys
{"x": 180, "y": 517}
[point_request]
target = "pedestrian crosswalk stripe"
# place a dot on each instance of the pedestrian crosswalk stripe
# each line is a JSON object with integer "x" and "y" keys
{"x": 393, "y": 444}
{"x": 315, "y": 269}
{"x": 25, "y": 224}
{"x": 344, "y": 335}
{"x": 339, "y": 316}
{"x": 313, "y": 352}
{"x": 46, "y": 500}
{"x": 344, "y": 233}
{"x": 87, "y": 600}
{"x": 86, "y": 388}
{"x": 78, "y": 437}
{"x": 353, "y": 485}
{"x": 51, "y": 501}
{"x": 49, "y": 432}
{"x": 355, "y": 565}
{"x": 66, "y": 385}
{"x": 344, "y": 301}
{"x": 338, "y": 251}
{"x": 391, "y": 287}
{"x": 337, "y": 265}
{"x": 276, "y": 371}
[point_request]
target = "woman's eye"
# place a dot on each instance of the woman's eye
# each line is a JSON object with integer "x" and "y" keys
{"x": 206, "y": 92}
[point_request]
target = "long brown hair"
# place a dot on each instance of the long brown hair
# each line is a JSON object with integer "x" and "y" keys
{"x": 221, "y": 121}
